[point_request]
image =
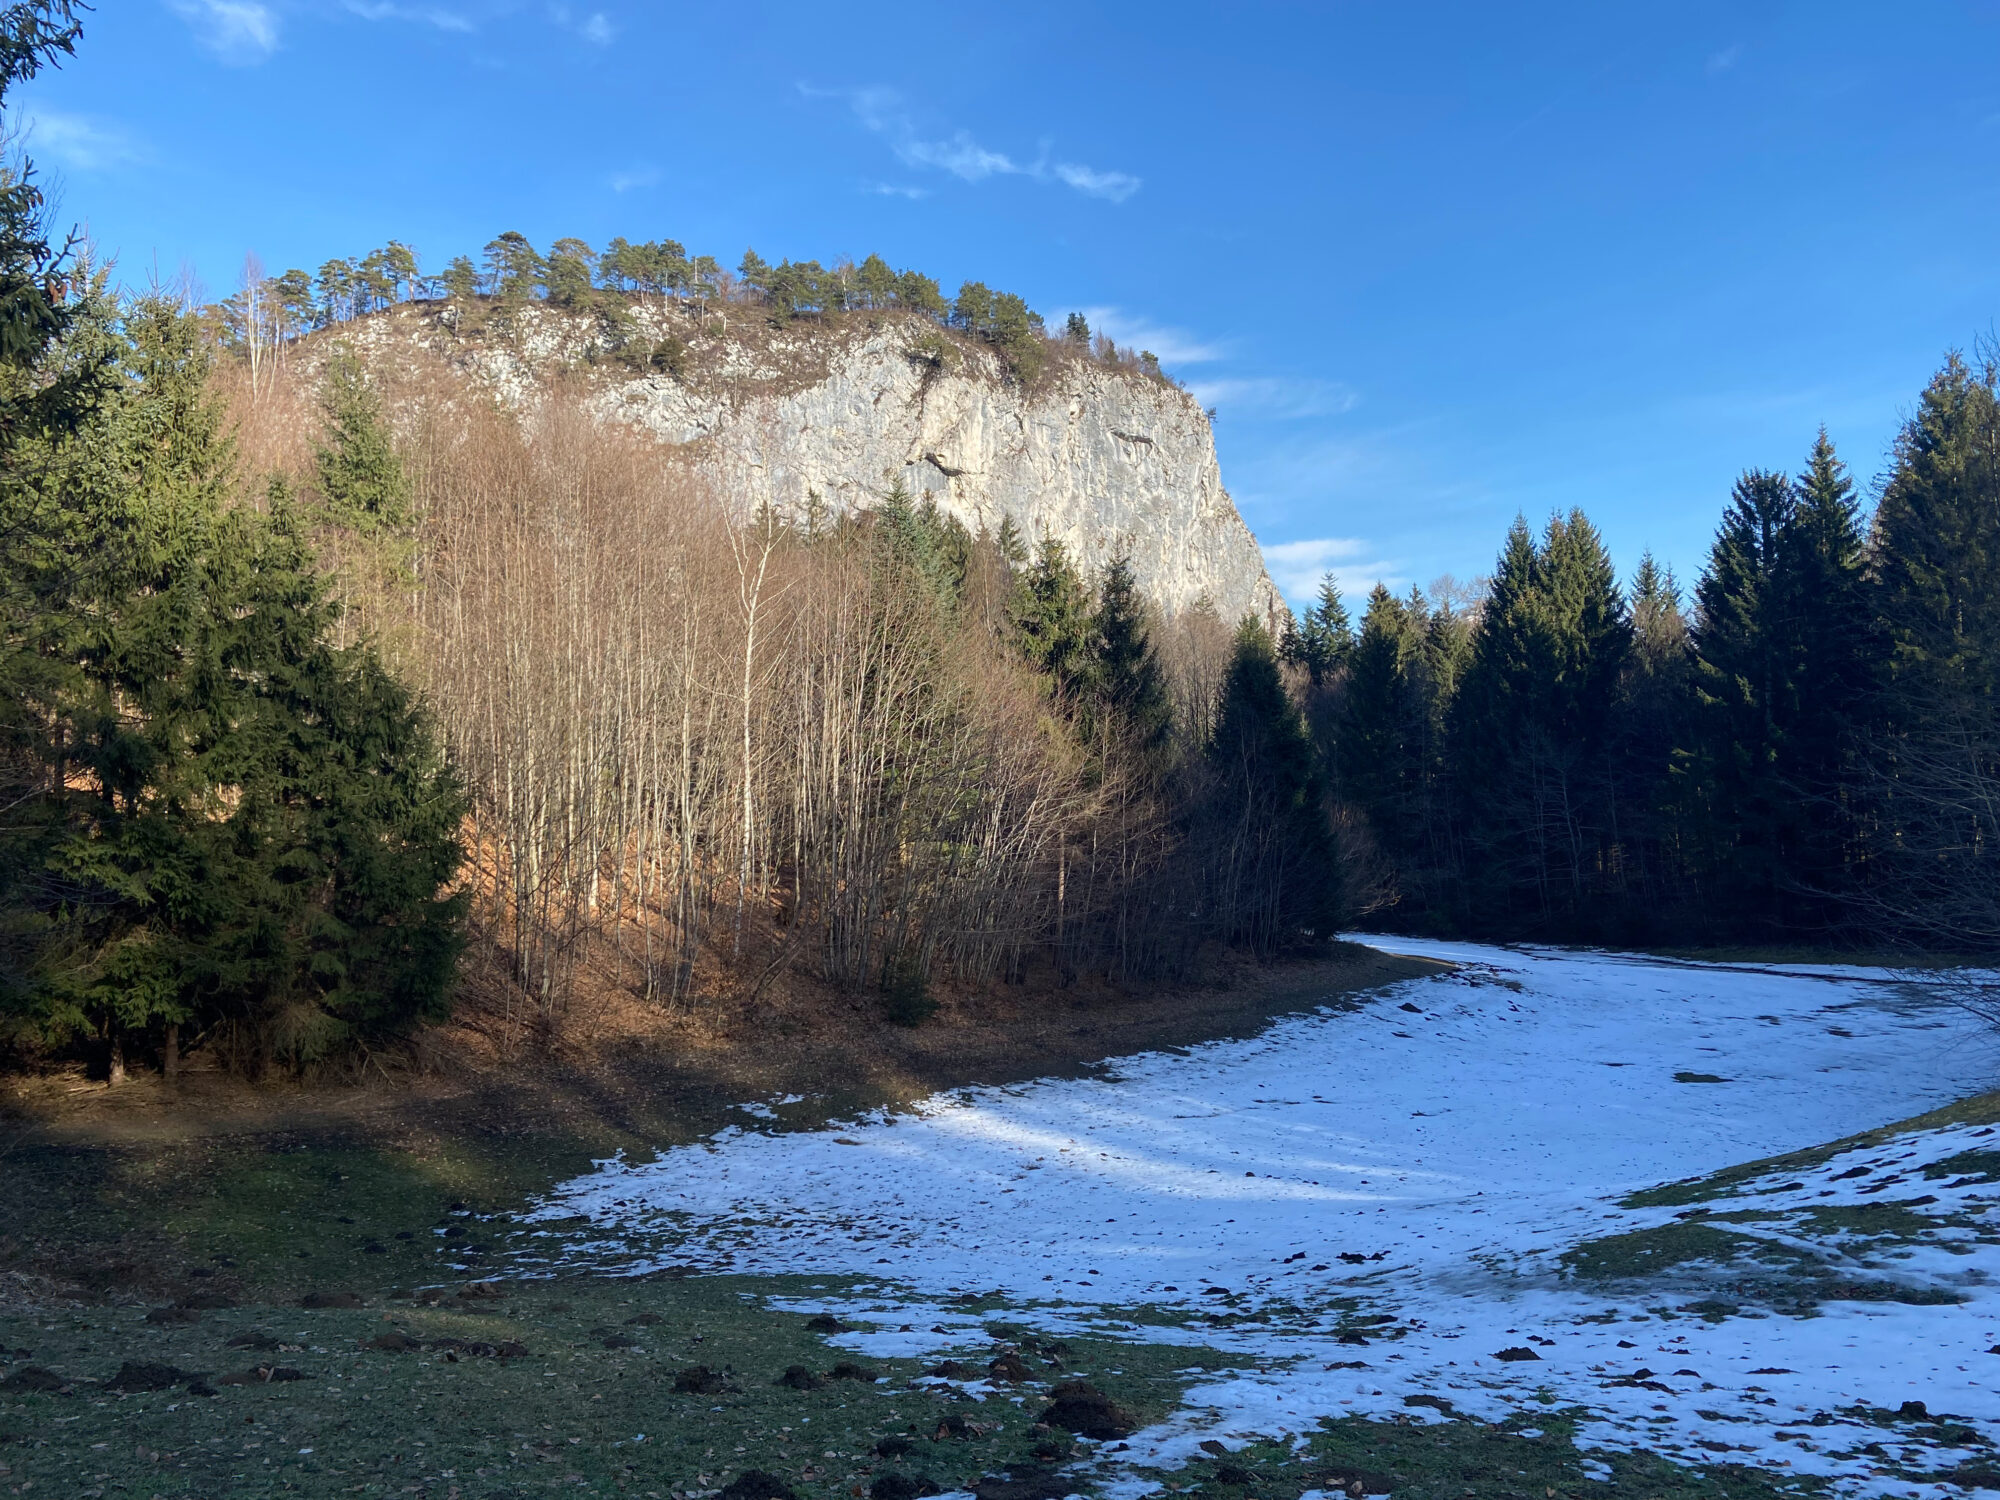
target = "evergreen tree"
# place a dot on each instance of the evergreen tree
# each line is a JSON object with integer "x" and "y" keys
{"x": 1051, "y": 615}
{"x": 222, "y": 821}
{"x": 361, "y": 481}
{"x": 461, "y": 279}
{"x": 1783, "y": 651}
{"x": 1651, "y": 724}
{"x": 1530, "y": 730}
{"x": 1076, "y": 328}
{"x": 1935, "y": 748}
{"x": 1131, "y": 690}
{"x": 1275, "y": 870}
{"x": 569, "y": 273}
{"x": 1378, "y": 752}
{"x": 514, "y": 267}
{"x": 1324, "y": 638}
{"x": 920, "y": 294}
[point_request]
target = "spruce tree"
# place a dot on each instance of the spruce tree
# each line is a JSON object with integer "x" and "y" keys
{"x": 1935, "y": 744}
{"x": 1275, "y": 869}
{"x": 238, "y": 830}
{"x": 1324, "y": 638}
{"x": 1530, "y": 729}
{"x": 1783, "y": 648}
{"x": 1378, "y": 757}
{"x": 1131, "y": 690}
{"x": 360, "y": 478}
{"x": 1051, "y": 615}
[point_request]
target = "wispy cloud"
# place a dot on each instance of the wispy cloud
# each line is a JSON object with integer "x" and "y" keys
{"x": 419, "y": 15}
{"x": 883, "y": 112}
{"x": 1297, "y": 567}
{"x": 1721, "y": 62}
{"x": 1114, "y": 186}
{"x": 1269, "y": 396}
{"x": 632, "y": 180}
{"x": 237, "y": 31}
{"x": 82, "y": 142}
{"x": 594, "y": 26}
{"x": 1174, "y": 346}
{"x": 897, "y": 190}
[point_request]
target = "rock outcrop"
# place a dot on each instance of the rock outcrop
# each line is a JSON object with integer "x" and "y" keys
{"x": 1105, "y": 458}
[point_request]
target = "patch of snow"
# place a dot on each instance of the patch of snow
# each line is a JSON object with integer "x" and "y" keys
{"x": 1432, "y": 1162}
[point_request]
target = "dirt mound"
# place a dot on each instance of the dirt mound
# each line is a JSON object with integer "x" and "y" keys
{"x": 1083, "y": 1409}
{"x": 702, "y": 1381}
{"x": 755, "y": 1484}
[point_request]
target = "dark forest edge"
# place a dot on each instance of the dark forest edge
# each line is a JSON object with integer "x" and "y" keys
{"x": 1807, "y": 755}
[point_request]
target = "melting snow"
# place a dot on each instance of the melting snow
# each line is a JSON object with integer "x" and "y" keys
{"x": 1425, "y": 1159}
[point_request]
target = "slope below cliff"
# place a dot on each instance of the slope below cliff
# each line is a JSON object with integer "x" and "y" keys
{"x": 1103, "y": 457}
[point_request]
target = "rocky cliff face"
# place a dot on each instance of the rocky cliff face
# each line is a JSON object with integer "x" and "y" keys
{"x": 1105, "y": 459}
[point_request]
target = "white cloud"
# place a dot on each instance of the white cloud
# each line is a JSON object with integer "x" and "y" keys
{"x": 961, "y": 156}
{"x": 421, "y": 15}
{"x": 596, "y": 27}
{"x": 1173, "y": 345}
{"x": 881, "y": 111}
{"x": 1723, "y": 61}
{"x": 1297, "y": 568}
{"x": 637, "y": 177}
{"x": 1115, "y": 186}
{"x": 1267, "y": 396}
{"x": 897, "y": 190}
{"x": 81, "y": 142}
{"x": 237, "y": 31}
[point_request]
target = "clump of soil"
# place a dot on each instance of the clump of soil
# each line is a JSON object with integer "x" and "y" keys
{"x": 264, "y": 1375}
{"x": 951, "y": 1369}
{"x": 799, "y": 1378}
{"x": 825, "y": 1323}
{"x": 137, "y": 1375}
{"x": 755, "y": 1484}
{"x": 323, "y": 1300}
{"x": 35, "y": 1378}
{"x": 702, "y": 1381}
{"x": 256, "y": 1338}
{"x": 848, "y": 1370}
{"x": 1083, "y": 1409}
{"x": 901, "y": 1487}
{"x": 1011, "y": 1368}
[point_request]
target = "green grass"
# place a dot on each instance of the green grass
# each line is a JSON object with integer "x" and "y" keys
{"x": 570, "y": 1413}
{"x": 1529, "y": 1457}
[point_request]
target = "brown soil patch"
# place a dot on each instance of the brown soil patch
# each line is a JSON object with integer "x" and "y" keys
{"x": 647, "y": 1071}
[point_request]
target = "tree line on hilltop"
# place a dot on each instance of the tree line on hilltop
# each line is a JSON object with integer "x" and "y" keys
{"x": 270, "y": 312}
{"x": 1805, "y": 750}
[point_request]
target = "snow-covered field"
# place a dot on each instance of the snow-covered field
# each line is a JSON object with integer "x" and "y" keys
{"x": 1425, "y": 1162}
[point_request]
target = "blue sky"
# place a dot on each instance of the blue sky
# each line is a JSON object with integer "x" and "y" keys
{"x": 1433, "y": 264}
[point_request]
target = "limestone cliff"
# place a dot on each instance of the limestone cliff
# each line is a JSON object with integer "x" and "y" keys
{"x": 1105, "y": 458}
